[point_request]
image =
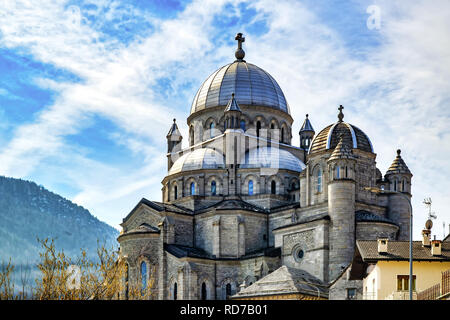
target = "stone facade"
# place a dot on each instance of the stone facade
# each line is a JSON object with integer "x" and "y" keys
{"x": 240, "y": 201}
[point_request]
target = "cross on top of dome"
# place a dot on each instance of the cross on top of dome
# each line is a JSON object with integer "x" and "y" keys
{"x": 239, "y": 54}
{"x": 340, "y": 115}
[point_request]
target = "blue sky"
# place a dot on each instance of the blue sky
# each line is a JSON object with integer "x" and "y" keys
{"x": 88, "y": 89}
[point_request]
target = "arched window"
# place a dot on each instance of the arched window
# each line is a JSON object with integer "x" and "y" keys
{"x": 175, "y": 192}
{"x": 213, "y": 188}
{"x": 143, "y": 275}
{"x": 346, "y": 172}
{"x": 319, "y": 180}
{"x": 228, "y": 289}
{"x": 403, "y": 186}
{"x": 243, "y": 125}
{"x": 273, "y": 187}
{"x": 250, "y": 187}
{"x": 192, "y": 188}
{"x": 258, "y": 127}
{"x": 282, "y": 135}
{"x": 175, "y": 291}
{"x": 126, "y": 280}
{"x": 225, "y": 124}
{"x": 232, "y": 122}
{"x": 338, "y": 172}
{"x": 204, "y": 295}
{"x": 395, "y": 185}
{"x": 211, "y": 130}
{"x": 191, "y": 135}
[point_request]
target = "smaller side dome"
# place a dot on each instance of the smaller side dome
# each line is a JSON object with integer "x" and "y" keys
{"x": 205, "y": 158}
{"x": 268, "y": 157}
{"x": 328, "y": 138}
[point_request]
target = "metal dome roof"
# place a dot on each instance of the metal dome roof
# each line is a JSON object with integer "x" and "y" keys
{"x": 329, "y": 137}
{"x": 268, "y": 157}
{"x": 198, "y": 159}
{"x": 250, "y": 84}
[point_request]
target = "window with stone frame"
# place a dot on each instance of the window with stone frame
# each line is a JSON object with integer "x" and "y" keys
{"x": 351, "y": 293}
{"x": 403, "y": 283}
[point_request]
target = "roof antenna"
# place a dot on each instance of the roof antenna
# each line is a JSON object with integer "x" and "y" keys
{"x": 428, "y": 202}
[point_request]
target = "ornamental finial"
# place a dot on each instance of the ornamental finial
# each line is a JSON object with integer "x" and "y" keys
{"x": 340, "y": 115}
{"x": 239, "y": 53}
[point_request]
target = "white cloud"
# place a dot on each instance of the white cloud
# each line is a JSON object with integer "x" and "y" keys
{"x": 398, "y": 94}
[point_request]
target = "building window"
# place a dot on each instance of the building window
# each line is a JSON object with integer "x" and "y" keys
{"x": 298, "y": 254}
{"x": 351, "y": 294}
{"x": 319, "y": 180}
{"x": 258, "y": 127}
{"x": 228, "y": 290}
{"x": 338, "y": 172}
{"x": 126, "y": 280}
{"x": 143, "y": 275}
{"x": 250, "y": 187}
{"x": 192, "y": 188}
{"x": 273, "y": 187}
{"x": 346, "y": 172}
{"x": 395, "y": 185}
{"x": 403, "y": 283}
{"x": 175, "y": 192}
{"x": 175, "y": 291}
{"x": 243, "y": 125}
{"x": 204, "y": 295}
{"x": 211, "y": 130}
{"x": 213, "y": 188}
{"x": 403, "y": 186}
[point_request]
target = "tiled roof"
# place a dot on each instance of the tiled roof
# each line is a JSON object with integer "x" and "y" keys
{"x": 398, "y": 166}
{"x": 342, "y": 151}
{"x": 399, "y": 250}
{"x": 180, "y": 251}
{"x": 366, "y": 216}
{"x": 303, "y": 220}
{"x": 285, "y": 280}
{"x": 306, "y": 125}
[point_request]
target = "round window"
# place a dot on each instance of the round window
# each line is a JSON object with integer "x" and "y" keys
{"x": 298, "y": 254}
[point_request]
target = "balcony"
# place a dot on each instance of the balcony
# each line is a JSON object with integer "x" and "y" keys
{"x": 439, "y": 290}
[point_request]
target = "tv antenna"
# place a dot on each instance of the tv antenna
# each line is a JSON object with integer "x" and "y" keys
{"x": 431, "y": 215}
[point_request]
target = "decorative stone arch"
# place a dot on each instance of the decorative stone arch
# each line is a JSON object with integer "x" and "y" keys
{"x": 224, "y": 286}
{"x": 285, "y": 135}
{"x": 246, "y": 180}
{"x": 187, "y": 184}
{"x": 278, "y": 184}
{"x": 275, "y": 123}
{"x": 247, "y": 121}
{"x": 318, "y": 179}
{"x": 296, "y": 182}
{"x": 191, "y": 135}
{"x": 207, "y": 129}
{"x": 208, "y": 286}
{"x": 174, "y": 190}
{"x": 139, "y": 261}
{"x": 219, "y": 187}
{"x": 174, "y": 290}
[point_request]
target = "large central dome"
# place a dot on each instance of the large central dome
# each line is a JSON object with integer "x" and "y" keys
{"x": 251, "y": 85}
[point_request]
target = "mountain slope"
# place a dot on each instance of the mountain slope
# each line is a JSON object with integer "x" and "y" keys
{"x": 29, "y": 211}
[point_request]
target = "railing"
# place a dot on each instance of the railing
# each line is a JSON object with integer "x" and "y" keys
{"x": 445, "y": 282}
{"x": 437, "y": 290}
{"x": 431, "y": 293}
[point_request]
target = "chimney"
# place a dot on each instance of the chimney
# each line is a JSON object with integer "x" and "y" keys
{"x": 426, "y": 235}
{"x": 383, "y": 246}
{"x": 436, "y": 247}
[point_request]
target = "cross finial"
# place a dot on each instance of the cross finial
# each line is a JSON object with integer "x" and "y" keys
{"x": 239, "y": 54}
{"x": 340, "y": 115}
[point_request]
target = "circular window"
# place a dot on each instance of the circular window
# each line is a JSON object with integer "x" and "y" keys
{"x": 298, "y": 254}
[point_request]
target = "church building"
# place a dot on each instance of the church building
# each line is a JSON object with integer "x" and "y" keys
{"x": 241, "y": 205}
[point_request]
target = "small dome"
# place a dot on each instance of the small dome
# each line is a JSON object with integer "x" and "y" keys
{"x": 398, "y": 166}
{"x": 250, "y": 84}
{"x": 198, "y": 159}
{"x": 328, "y": 138}
{"x": 268, "y": 157}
